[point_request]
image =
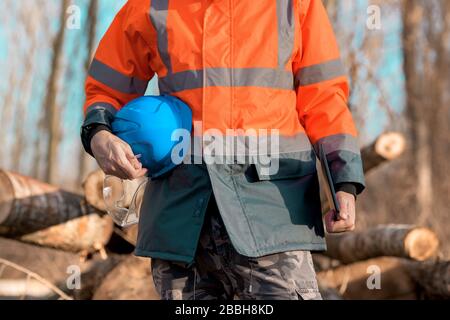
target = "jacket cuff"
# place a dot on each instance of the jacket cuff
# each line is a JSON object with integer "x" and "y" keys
{"x": 98, "y": 117}
{"x": 344, "y": 159}
{"x": 346, "y": 187}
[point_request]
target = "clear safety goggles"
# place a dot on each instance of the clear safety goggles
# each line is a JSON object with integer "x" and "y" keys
{"x": 123, "y": 199}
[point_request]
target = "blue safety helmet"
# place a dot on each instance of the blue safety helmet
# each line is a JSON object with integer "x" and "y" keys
{"x": 147, "y": 124}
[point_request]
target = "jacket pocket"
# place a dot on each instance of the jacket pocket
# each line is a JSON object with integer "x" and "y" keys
{"x": 287, "y": 166}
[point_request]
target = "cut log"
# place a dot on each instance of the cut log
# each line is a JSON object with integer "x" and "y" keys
{"x": 406, "y": 241}
{"x": 87, "y": 233}
{"x": 322, "y": 262}
{"x": 387, "y": 146}
{"x": 43, "y": 214}
{"x": 56, "y": 267}
{"x": 432, "y": 277}
{"x": 130, "y": 280}
{"x": 93, "y": 274}
{"x": 399, "y": 278}
{"x": 24, "y": 288}
{"x": 359, "y": 280}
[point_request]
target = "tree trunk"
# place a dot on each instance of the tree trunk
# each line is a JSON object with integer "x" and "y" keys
{"x": 384, "y": 240}
{"x": 332, "y": 10}
{"x": 418, "y": 100}
{"x": 25, "y": 86}
{"x": 91, "y": 35}
{"x": 46, "y": 215}
{"x": 52, "y": 114}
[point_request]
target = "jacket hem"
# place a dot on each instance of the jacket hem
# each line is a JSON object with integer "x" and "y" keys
{"x": 260, "y": 253}
{"x": 163, "y": 256}
{"x": 283, "y": 248}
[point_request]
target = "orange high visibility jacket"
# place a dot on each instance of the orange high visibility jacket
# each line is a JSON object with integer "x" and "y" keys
{"x": 239, "y": 64}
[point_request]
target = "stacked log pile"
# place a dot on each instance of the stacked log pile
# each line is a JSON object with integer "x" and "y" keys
{"x": 59, "y": 245}
{"x": 385, "y": 262}
{"x": 36, "y": 212}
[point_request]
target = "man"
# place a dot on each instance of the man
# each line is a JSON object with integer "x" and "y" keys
{"x": 217, "y": 230}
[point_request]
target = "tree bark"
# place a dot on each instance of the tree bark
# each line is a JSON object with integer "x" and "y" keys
{"x": 384, "y": 240}
{"x": 46, "y": 215}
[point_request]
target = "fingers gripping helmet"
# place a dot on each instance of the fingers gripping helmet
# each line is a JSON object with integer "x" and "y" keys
{"x": 147, "y": 124}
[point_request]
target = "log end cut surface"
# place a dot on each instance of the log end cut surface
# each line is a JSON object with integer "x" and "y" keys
{"x": 390, "y": 145}
{"x": 421, "y": 244}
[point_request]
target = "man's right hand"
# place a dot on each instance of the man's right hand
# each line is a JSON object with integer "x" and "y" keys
{"x": 115, "y": 157}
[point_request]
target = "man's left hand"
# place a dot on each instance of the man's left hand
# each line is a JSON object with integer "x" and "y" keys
{"x": 345, "y": 219}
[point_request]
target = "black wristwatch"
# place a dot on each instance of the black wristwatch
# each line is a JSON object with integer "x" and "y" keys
{"x": 96, "y": 120}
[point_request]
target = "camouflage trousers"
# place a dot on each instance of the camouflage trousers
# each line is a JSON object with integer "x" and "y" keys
{"x": 221, "y": 273}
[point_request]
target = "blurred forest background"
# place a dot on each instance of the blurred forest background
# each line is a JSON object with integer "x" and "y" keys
{"x": 399, "y": 73}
